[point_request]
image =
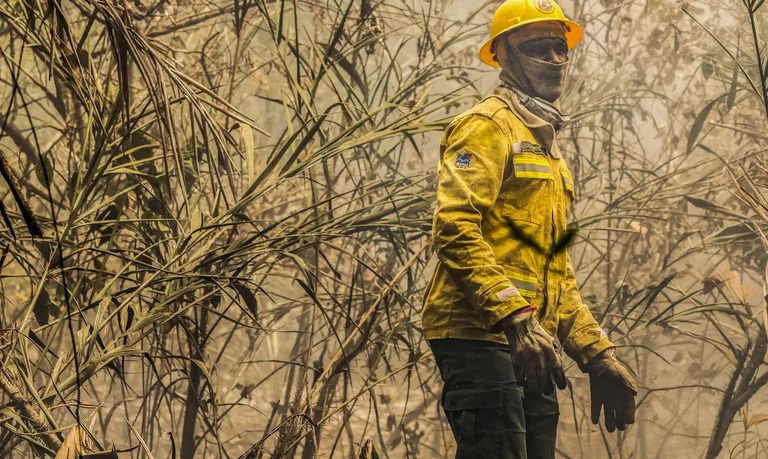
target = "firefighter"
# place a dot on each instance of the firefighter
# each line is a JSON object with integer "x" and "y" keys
{"x": 504, "y": 286}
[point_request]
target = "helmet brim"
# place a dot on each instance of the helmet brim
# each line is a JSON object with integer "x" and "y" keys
{"x": 573, "y": 34}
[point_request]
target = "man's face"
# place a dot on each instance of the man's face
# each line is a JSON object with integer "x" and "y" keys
{"x": 534, "y": 58}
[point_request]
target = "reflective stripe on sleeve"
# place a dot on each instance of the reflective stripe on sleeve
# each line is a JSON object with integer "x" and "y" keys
{"x": 526, "y": 285}
{"x": 568, "y": 183}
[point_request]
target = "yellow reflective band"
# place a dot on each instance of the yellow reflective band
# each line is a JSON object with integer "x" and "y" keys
{"x": 568, "y": 184}
{"x": 530, "y": 159}
{"x": 536, "y": 175}
{"x": 533, "y": 171}
{"x": 526, "y": 285}
{"x": 532, "y": 167}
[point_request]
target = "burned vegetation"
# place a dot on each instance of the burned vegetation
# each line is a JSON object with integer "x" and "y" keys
{"x": 216, "y": 218}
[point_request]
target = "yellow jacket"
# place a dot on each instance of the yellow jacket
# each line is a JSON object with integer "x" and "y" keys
{"x": 499, "y": 230}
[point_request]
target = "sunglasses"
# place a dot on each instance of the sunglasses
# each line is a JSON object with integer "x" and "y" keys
{"x": 542, "y": 47}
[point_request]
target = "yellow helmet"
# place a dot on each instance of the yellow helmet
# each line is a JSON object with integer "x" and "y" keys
{"x": 516, "y": 13}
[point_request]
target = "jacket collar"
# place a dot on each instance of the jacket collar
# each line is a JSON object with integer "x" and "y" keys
{"x": 542, "y": 130}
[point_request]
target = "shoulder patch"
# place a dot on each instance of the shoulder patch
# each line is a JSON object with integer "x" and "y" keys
{"x": 463, "y": 160}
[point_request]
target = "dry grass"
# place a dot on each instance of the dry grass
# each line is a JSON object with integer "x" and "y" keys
{"x": 235, "y": 202}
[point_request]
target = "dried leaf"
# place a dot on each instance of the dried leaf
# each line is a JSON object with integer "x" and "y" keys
{"x": 74, "y": 445}
{"x": 740, "y": 231}
{"x": 248, "y": 297}
{"x": 698, "y": 123}
{"x": 44, "y": 308}
{"x": 704, "y": 204}
{"x": 731, "y": 99}
{"x": 732, "y": 282}
{"x": 756, "y": 419}
{"x": 247, "y": 133}
{"x": 368, "y": 451}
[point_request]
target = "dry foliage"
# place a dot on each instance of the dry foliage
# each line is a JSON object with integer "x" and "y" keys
{"x": 216, "y": 221}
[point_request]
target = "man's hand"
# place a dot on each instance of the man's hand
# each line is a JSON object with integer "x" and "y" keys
{"x": 533, "y": 353}
{"x": 613, "y": 389}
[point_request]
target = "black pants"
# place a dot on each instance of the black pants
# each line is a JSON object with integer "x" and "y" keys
{"x": 491, "y": 416}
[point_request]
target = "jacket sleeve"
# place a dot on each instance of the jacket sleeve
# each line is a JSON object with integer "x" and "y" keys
{"x": 577, "y": 329}
{"x": 473, "y": 156}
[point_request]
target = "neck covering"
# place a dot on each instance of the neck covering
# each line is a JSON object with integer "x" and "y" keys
{"x": 536, "y": 78}
{"x": 549, "y": 112}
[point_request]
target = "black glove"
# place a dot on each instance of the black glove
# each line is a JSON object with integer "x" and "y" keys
{"x": 613, "y": 389}
{"x": 534, "y": 355}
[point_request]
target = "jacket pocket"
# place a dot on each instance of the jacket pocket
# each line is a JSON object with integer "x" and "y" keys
{"x": 513, "y": 212}
{"x": 471, "y": 399}
{"x": 468, "y": 408}
{"x": 528, "y": 193}
{"x": 527, "y": 283}
{"x": 486, "y": 422}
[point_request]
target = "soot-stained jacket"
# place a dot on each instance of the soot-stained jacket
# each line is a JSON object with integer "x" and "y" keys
{"x": 500, "y": 231}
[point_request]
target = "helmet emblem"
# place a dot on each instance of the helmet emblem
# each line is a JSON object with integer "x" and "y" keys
{"x": 545, "y": 6}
